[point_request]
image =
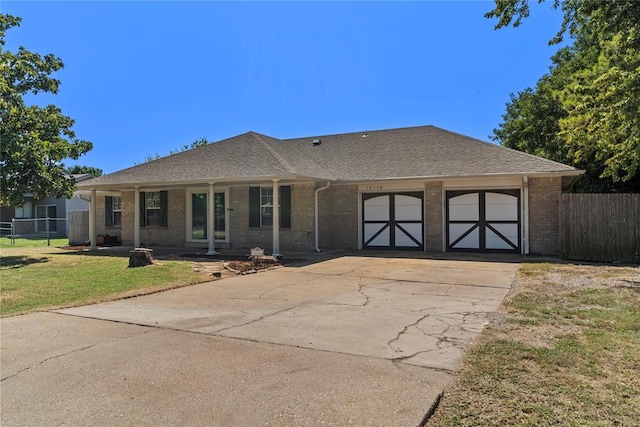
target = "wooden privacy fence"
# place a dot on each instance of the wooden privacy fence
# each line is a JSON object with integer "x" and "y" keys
{"x": 600, "y": 227}
{"x": 78, "y": 227}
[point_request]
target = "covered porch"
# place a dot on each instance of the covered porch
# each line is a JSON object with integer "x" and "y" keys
{"x": 216, "y": 215}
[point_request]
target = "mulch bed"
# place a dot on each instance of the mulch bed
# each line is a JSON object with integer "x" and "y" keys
{"x": 75, "y": 248}
{"x": 241, "y": 259}
{"x": 244, "y": 267}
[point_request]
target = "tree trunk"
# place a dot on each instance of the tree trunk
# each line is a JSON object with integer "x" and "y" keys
{"x": 139, "y": 257}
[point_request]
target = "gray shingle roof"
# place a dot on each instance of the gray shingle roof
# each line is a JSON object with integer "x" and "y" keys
{"x": 425, "y": 151}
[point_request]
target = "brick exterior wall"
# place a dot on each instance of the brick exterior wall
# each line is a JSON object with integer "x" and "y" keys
{"x": 300, "y": 237}
{"x": 126, "y": 230}
{"x": 101, "y": 227}
{"x": 544, "y": 194}
{"x": 433, "y": 218}
{"x": 338, "y": 221}
{"x": 172, "y": 235}
{"x": 100, "y": 220}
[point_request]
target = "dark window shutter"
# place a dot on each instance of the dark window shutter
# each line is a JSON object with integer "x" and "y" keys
{"x": 108, "y": 211}
{"x": 285, "y": 206}
{"x": 163, "y": 209}
{"x": 254, "y": 206}
{"x": 143, "y": 210}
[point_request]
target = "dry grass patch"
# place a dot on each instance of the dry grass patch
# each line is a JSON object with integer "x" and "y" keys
{"x": 564, "y": 349}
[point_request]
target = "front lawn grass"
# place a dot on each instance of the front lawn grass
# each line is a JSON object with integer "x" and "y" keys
{"x": 563, "y": 350}
{"x": 25, "y": 242}
{"x": 36, "y": 277}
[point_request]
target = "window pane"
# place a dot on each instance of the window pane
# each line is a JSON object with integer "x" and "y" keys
{"x": 153, "y": 216}
{"x": 152, "y": 199}
{"x": 220, "y": 216}
{"x": 266, "y": 196}
{"x": 23, "y": 211}
{"x": 267, "y": 215}
{"x": 117, "y": 218}
{"x": 199, "y": 216}
{"x": 117, "y": 203}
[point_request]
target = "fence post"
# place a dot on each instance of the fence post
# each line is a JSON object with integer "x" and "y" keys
{"x": 13, "y": 231}
{"x": 48, "y": 241}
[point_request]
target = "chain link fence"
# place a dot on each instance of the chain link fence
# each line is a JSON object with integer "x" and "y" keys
{"x": 34, "y": 228}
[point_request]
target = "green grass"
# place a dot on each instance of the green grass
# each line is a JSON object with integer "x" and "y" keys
{"x": 564, "y": 353}
{"x": 40, "y": 277}
{"x": 23, "y": 242}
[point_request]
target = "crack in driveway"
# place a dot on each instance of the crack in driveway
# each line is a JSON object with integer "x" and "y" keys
{"x": 404, "y": 330}
{"x": 48, "y": 359}
{"x": 257, "y": 320}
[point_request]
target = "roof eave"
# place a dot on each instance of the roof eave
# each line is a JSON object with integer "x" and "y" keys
{"x": 575, "y": 172}
{"x": 201, "y": 182}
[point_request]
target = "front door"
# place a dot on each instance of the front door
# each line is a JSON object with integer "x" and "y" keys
{"x": 198, "y": 218}
{"x": 393, "y": 221}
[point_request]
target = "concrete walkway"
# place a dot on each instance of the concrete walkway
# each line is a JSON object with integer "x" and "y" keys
{"x": 352, "y": 340}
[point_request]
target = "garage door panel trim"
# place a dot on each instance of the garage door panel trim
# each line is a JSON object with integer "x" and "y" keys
{"x": 406, "y": 233}
{"x": 499, "y": 234}
{"x": 379, "y": 232}
{"x": 465, "y": 234}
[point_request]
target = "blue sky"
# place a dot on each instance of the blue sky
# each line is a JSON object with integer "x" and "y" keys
{"x": 147, "y": 77}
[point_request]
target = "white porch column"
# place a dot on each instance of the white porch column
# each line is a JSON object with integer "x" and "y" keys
{"x": 276, "y": 219}
{"x": 92, "y": 221}
{"x": 211, "y": 212}
{"x": 525, "y": 215}
{"x": 136, "y": 219}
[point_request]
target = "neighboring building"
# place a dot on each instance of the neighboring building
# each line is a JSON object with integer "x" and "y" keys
{"x": 36, "y": 210}
{"x": 421, "y": 188}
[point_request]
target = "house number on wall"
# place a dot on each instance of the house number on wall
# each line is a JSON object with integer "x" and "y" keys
{"x": 375, "y": 187}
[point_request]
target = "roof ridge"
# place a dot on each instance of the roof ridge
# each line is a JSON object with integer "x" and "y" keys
{"x": 357, "y": 132}
{"x": 285, "y": 164}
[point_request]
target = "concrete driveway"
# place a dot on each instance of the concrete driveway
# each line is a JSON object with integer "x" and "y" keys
{"x": 352, "y": 340}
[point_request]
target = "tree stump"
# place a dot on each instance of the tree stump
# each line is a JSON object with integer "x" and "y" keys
{"x": 139, "y": 257}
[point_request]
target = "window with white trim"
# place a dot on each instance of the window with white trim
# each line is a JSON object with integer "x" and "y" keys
{"x": 266, "y": 206}
{"x": 152, "y": 207}
{"x": 24, "y": 211}
{"x": 113, "y": 211}
{"x": 261, "y": 206}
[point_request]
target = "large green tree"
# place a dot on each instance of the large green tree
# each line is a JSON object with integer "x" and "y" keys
{"x": 33, "y": 139}
{"x": 78, "y": 169}
{"x": 197, "y": 143}
{"x": 586, "y": 110}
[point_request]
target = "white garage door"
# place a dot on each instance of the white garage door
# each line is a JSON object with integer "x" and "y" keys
{"x": 483, "y": 221}
{"x": 393, "y": 221}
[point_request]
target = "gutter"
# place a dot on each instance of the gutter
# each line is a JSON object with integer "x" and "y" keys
{"x": 317, "y": 231}
{"x": 525, "y": 215}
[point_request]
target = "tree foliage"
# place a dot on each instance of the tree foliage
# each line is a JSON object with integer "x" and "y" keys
{"x": 586, "y": 110}
{"x": 33, "y": 140}
{"x": 197, "y": 143}
{"x": 78, "y": 169}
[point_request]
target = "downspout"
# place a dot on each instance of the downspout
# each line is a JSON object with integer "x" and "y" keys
{"x": 316, "y": 215}
{"x": 525, "y": 215}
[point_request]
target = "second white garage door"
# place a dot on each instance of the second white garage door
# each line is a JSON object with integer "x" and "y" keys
{"x": 483, "y": 221}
